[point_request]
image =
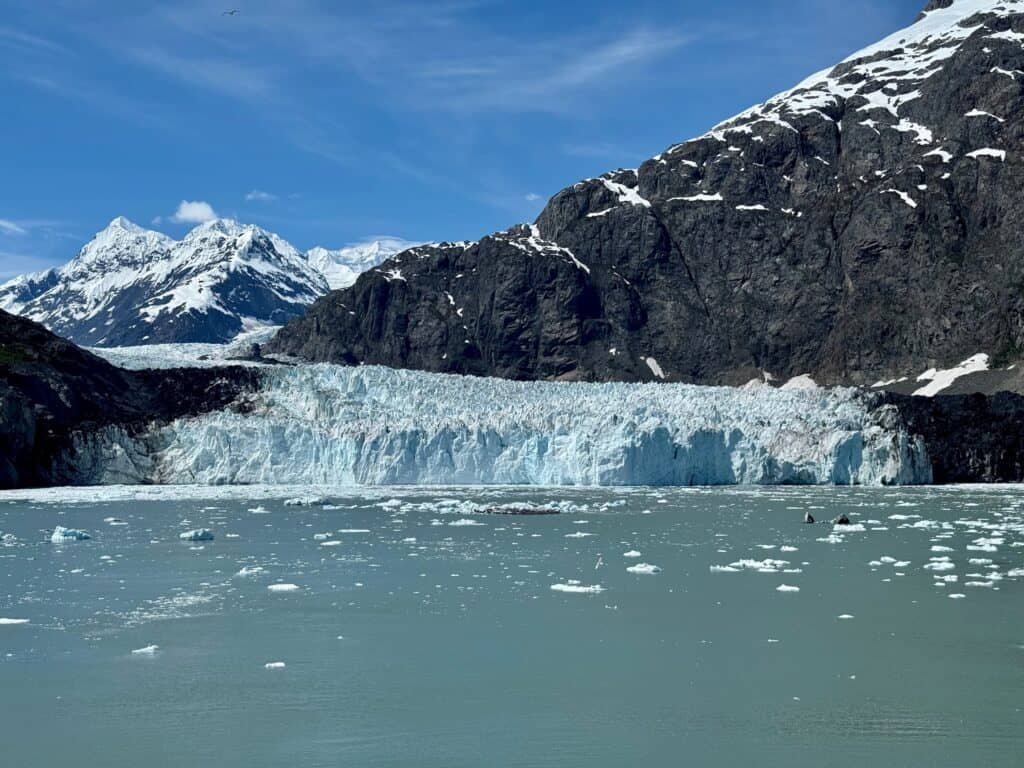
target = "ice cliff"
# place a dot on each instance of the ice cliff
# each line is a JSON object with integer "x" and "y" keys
{"x": 329, "y": 424}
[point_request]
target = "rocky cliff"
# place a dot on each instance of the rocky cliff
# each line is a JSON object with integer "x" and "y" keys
{"x": 53, "y": 394}
{"x": 863, "y": 226}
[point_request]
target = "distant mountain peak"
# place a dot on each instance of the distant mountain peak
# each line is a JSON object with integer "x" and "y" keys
{"x": 343, "y": 266}
{"x": 131, "y": 285}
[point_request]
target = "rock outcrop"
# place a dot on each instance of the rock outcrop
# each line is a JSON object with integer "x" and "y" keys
{"x": 54, "y": 395}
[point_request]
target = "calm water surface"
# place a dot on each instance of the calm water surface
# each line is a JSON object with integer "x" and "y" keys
{"x": 418, "y": 636}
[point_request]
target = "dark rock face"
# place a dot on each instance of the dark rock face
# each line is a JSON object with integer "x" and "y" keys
{"x": 52, "y": 391}
{"x": 863, "y": 226}
{"x": 969, "y": 438}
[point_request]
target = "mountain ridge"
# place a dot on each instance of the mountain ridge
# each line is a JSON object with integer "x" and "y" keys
{"x": 858, "y": 227}
{"x": 129, "y": 285}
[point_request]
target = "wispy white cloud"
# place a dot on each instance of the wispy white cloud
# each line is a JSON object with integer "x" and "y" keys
{"x": 532, "y": 197}
{"x": 193, "y": 212}
{"x": 259, "y": 196}
{"x": 12, "y": 228}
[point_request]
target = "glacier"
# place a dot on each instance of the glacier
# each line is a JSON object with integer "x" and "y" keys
{"x": 337, "y": 425}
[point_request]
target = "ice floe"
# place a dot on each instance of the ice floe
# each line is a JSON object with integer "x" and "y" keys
{"x": 62, "y": 535}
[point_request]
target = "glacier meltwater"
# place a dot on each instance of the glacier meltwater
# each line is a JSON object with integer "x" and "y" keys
{"x": 325, "y": 424}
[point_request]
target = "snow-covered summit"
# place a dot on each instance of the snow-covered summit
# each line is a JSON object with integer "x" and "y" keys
{"x": 341, "y": 267}
{"x": 130, "y": 285}
{"x": 884, "y": 76}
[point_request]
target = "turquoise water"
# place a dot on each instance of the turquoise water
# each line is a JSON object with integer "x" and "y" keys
{"x": 453, "y": 650}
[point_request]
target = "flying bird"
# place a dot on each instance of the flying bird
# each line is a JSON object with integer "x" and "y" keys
{"x": 229, "y": 12}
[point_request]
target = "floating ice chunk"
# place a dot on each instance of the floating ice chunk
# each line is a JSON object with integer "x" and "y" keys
{"x": 149, "y": 650}
{"x": 631, "y": 554}
{"x": 353, "y": 530}
{"x": 578, "y": 535}
{"x": 845, "y": 616}
{"x": 940, "y": 548}
{"x": 466, "y": 521}
{"x": 283, "y": 587}
{"x": 786, "y": 588}
{"x": 767, "y": 565}
{"x": 787, "y": 548}
{"x": 250, "y": 571}
{"x": 261, "y": 510}
{"x": 850, "y": 528}
{"x": 578, "y": 589}
{"x": 62, "y": 535}
{"x": 957, "y": 596}
{"x": 274, "y": 665}
{"x": 724, "y": 569}
{"x": 306, "y": 501}
{"x": 644, "y": 568}
{"x": 199, "y": 534}
{"x": 321, "y": 536}
{"x": 331, "y": 543}
{"x": 8, "y": 539}
{"x": 12, "y": 622}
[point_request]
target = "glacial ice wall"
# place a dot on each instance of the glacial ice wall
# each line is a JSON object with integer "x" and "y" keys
{"x": 328, "y": 424}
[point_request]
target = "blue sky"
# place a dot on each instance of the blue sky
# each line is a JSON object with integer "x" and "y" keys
{"x": 333, "y": 122}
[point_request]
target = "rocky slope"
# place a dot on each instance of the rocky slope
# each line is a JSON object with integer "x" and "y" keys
{"x": 863, "y": 226}
{"x": 131, "y": 286}
{"x": 53, "y": 395}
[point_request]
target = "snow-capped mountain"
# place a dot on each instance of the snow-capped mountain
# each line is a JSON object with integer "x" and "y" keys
{"x": 341, "y": 267}
{"x": 131, "y": 286}
{"x": 860, "y": 226}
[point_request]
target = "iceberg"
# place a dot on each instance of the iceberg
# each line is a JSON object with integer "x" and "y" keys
{"x": 199, "y": 534}
{"x": 337, "y": 425}
{"x": 62, "y": 535}
{"x": 645, "y": 569}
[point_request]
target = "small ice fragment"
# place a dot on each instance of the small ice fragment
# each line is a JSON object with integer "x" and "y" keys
{"x": 199, "y": 534}
{"x": 578, "y": 589}
{"x": 845, "y": 616}
{"x": 786, "y": 588}
{"x": 283, "y": 587}
{"x": 149, "y": 650}
{"x": 631, "y": 554}
{"x": 274, "y": 665}
{"x": 12, "y": 622}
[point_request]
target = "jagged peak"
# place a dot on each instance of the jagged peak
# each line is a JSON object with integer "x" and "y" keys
{"x": 121, "y": 222}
